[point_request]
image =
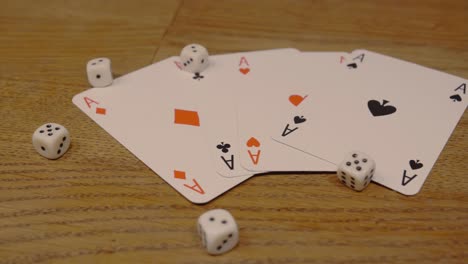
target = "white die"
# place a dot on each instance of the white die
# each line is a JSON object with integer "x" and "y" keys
{"x": 194, "y": 58}
{"x": 99, "y": 72}
{"x": 356, "y": 170}
{"x": 51, "y": 140}
{"x": 218, "y": 231}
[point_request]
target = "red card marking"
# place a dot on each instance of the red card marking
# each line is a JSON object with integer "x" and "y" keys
{"x": 342, "y": 59}
{"x": 196, "y": 187}
{"x": 243, "y": 60}
{"x": 253, "y": 142}
{"x": 179, "y": 174}
{"x": 89, "y": 101}
{"x": 185, "y": 117}
{"x": 101, "y": 111}
{"x": 244, "y": 70}
{"x": 254, "y": 157}
{"x": 296, "y": 99}
{"x": 178, "y": 64}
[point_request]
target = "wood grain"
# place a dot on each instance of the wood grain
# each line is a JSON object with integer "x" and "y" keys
{"x": 100, "y": 204}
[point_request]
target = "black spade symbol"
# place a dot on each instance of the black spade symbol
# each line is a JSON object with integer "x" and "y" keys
{"x": 415, "y": 164}
{"x": 299, "y": 119}
{"x": 456, "y": 98}
{"x": 378, "y": 109}
{"x": 352, "y": 66}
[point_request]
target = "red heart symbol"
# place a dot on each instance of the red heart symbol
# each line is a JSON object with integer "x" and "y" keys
{"x": 244, "y": 70}
{"x": 296, "y": 99}
{"x": 253, "y": 142}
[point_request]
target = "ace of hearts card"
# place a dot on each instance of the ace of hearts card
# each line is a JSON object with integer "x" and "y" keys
{"x": 238, "y": 99}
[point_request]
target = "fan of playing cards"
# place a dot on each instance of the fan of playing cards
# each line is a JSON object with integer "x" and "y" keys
{"x": 206, "y": 131}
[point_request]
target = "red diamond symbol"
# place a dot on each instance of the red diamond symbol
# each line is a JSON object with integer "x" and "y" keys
{"x": 101, "y": 111}
{"x": 179, "y": 174}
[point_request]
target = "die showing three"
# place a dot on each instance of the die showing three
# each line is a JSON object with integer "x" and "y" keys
{"x": 218, "y": 231}
{"x": 194, "y": 58}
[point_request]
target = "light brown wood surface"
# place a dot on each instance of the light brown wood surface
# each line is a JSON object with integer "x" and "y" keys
{"x": 100, "y": 204}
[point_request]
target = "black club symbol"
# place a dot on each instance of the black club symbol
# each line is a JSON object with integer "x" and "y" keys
{"x": 198, "y": 76}
{"x": 224, "y": 147}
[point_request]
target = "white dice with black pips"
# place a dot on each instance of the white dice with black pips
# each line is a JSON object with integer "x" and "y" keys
{"x": 99, "y": 72}
{"x": 356, "y": 170}
{"x": 51, "y": 140}
{"x": 218, "y": 231}
{"x": 194, "y": 58}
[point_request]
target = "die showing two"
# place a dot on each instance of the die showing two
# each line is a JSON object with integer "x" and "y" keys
{"x": 99, "y": 72}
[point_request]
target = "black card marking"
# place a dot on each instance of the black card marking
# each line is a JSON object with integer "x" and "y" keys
{"x": 288, "y": 130}
{"x": 197, "y": 76}
{"x": 415, "y": 164}
{"x": 299, "y": 119}
{"x": 378, "y": 109}
{"x": 229, "y": 162}
{"x": 456, "y": 98}
{"x": 223, "y": 147}
{"x": 462, "y": 87}
{"x": 360, "y": 57}
{"x": 352, "y": 66}
{"x": 407, "y": 179}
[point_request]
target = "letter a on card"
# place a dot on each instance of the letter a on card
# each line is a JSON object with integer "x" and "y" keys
{"x": 89, "y": 101}
{"x": 254, "y": 157}
{"x": 243, "y": 60}
{"x": 178, "y": 64}
{"x": 462, "y": 87}
{"x": 196, "y": 187}
{"x": 229, "y": 162}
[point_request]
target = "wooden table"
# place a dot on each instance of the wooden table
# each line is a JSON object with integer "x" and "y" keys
{"x": 100, "y": 204}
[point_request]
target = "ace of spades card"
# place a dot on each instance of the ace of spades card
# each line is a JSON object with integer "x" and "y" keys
{"x": 399, "y": 113}
{"x": 152, "y": 112}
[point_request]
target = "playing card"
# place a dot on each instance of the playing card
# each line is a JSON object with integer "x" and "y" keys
{"x": 399, "y": 113}
{"x": 278, "y": 83}
{"x": 152, "y": 112}
{"x": 248, "y": 80}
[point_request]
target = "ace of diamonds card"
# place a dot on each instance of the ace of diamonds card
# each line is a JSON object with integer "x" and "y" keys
{"x": 153, "y": 114}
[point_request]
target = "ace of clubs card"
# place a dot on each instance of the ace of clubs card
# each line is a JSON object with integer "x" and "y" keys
{"x": 218, "y": 98}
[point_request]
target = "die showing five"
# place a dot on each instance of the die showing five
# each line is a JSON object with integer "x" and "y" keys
{"x": 51, "y": 140}
{"x": 356, "y": 170}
